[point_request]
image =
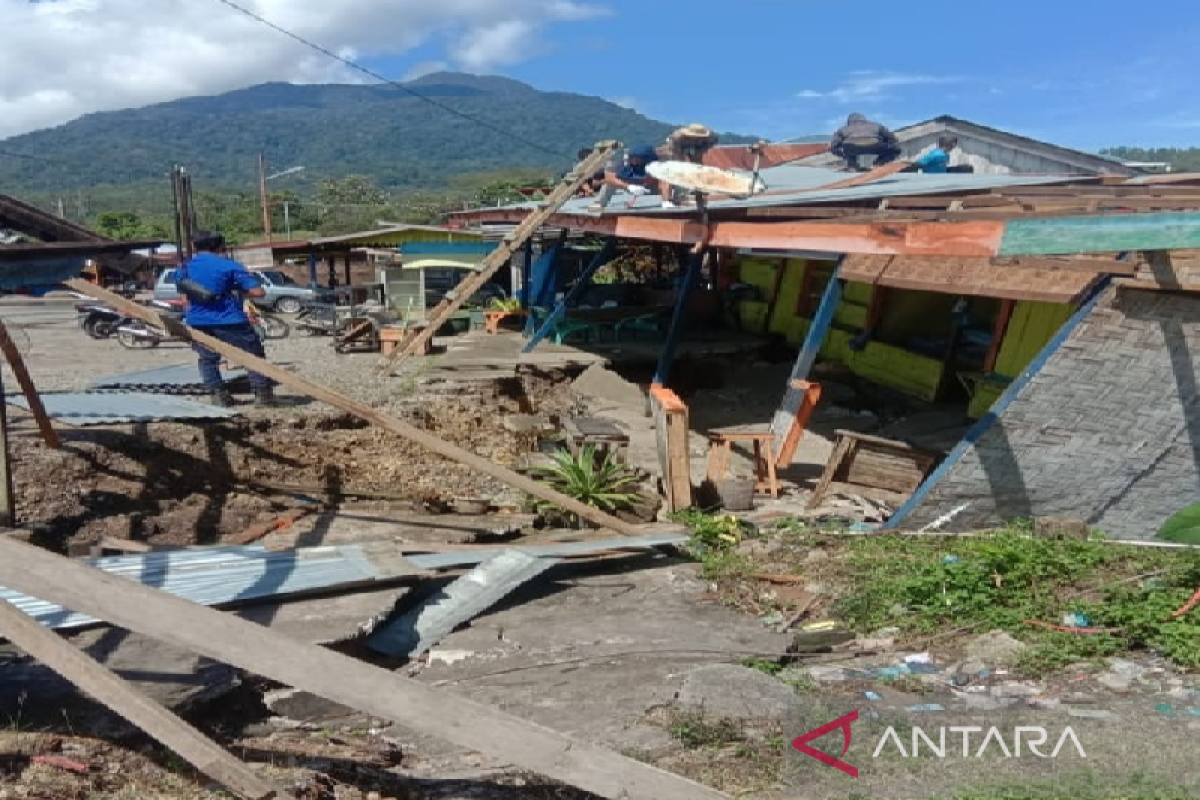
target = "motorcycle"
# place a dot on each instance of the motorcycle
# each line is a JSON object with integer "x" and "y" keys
{"x": 98, "y": 320}
{"x": 137, "y": 334}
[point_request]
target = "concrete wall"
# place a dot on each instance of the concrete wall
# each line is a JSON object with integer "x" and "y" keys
{"x": 1108, "y": 431}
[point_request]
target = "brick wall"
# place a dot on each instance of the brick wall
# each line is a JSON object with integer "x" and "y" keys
{"x": 1108, "y": 431}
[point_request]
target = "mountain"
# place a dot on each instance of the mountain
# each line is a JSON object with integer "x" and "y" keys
{"x": 332, "y": 130}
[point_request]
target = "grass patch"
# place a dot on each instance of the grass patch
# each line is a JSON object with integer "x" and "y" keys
{"x": 694, "y": 730}
{"x": 1083, "y": 785}
{"x": 934, "y": 586}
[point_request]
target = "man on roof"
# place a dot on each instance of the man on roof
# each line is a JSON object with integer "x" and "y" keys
{"x": 687, "y": 144}
{"x": 627, "y": 171}
{"x": 861, "y": 137}
{"x": 937, "y": 160}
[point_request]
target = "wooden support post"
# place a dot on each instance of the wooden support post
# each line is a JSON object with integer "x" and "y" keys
{"x": 378, "y": 692}
{"x": 8, "y": 498}
{"x": 501, "y": 255}
{"x": 1003, "y": 317}
{"x": 282, "y": 376}
{"x": 107, "y": 687}
{"x": 13, "y": 355}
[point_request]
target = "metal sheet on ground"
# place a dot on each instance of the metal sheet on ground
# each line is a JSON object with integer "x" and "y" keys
{"x": 103, "y": 408}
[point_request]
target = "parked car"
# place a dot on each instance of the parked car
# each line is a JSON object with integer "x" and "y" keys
{"x": 283, "y": 294}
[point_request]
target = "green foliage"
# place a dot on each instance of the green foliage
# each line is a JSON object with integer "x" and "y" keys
{"x": 1004, "y": 579}
{"x": 771, "y": 668}
{"x": 505, "y": 304}
{"x": 713, "y": 533}
{"x": 1183, "y": 528}
{"x": 1181, "y": 159}
{"x": 602, "y": 482}
{"x": 127, "y": 226}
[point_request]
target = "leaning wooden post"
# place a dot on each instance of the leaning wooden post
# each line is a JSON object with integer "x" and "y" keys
{"x": 17, "y": 363}
{"x": 110, "y": 689}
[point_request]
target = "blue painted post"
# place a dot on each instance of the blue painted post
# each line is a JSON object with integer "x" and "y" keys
{"x": 818, "y": 329}
{"x": 585, "y": 278}
{"x": 312, "y": 271}
{"x": 667, "y": 355}
{"x": 999, "y": 407}
{"x": 543, "y": 281}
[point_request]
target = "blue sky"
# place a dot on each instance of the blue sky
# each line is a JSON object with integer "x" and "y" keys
{"x": 1084, "y": 75}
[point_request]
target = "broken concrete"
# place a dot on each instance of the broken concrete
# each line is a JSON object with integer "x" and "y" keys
{"x": 598, "y": 383}
{"x": 730, "y": 691}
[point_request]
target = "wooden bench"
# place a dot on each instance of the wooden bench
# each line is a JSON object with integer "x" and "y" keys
{"x": 875, "y": 466}
{"x": 762, "y": 438}
{"x": 600, "y": 433}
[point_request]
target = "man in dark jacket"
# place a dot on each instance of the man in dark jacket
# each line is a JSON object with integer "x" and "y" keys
{"x": 214, "y": 306}
{"x": 862, "y": 137}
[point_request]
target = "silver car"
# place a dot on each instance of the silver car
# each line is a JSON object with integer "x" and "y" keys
{"x": 283, "y": 294}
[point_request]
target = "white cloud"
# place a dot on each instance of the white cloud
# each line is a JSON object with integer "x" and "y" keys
{"x": 423, "y": 68}
{"x": 77, "y": 56}
{"x": 872, "y": 86}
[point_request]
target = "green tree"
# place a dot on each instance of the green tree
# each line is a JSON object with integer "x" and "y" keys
{"x": 126, "y": 226}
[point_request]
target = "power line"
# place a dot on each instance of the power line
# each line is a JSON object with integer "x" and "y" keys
{"x": 371, "y": 73}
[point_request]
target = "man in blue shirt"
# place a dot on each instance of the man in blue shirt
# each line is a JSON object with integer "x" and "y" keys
{"x": 938, "y": 159}
{"x": 215, "y": 307}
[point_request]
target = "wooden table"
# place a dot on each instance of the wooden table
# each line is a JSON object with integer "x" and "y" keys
{"x": 860, "y": 461}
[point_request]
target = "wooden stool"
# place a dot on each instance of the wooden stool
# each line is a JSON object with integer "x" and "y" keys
{"x": 720, "y": 451}
{"x": 600, "y": 433}
{"x": 762, "y": 438}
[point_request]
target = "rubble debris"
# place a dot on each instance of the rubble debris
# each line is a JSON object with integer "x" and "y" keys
{"x": 1060, "y": 528}
{"x": 995, "y": 647}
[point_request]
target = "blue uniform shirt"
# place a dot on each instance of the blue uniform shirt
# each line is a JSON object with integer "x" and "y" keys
{"x": 936, "y": 160}
{"x": 221, "y": 276}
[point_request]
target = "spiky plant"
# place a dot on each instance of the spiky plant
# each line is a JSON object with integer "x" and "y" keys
{"x": 600, "y": 481}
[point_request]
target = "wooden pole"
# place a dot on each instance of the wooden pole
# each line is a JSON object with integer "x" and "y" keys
{"x": 378, "y": 692}
{"x": 240, "y": 357}
{"x": 512, "y": 243}
{"x": 262, "y": 191}
{"x": 17, "y": 363}
{"x": 108, "y": 688}
{"x": 8, "y": 499}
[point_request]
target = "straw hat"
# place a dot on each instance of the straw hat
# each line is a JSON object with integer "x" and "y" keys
{"x": 694, "y": 131}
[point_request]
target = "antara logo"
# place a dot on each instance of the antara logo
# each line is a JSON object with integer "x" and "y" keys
{"x": 1033, "y": 738}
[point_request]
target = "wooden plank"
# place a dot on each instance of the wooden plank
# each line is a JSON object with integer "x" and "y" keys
{"x": 15, "y": 362}
{"x": 110, "y": 689}
{"x": 496, "y": 259}
{"x": 240, "y": 357}
{"x": 336, "y": 677}
{"x": 1116, "y": 233}
{"x": 671, "y": 431}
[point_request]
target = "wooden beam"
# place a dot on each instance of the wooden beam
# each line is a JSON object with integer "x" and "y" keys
{"x": 13, "y": 355}
{"x": 266, "y": 652}
{"x": 1114, "y": 233}
{"x": 240, "y": 357}
{"x": 110, "y": 689}
{"x": 1003, "y": 317}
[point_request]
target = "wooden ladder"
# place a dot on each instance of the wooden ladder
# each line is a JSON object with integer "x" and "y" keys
{"x": 513, "y": 242}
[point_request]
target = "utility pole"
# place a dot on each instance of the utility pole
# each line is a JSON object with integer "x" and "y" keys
{"x": 262, "y": 189}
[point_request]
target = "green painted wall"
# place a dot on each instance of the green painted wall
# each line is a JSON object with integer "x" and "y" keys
{"x": 1031, "y": 327}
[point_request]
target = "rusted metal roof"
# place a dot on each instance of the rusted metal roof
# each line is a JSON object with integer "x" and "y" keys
{"x": 1017, "y": 279}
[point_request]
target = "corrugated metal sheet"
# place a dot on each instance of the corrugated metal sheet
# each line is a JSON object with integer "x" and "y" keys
{"x": 173, "y": 379}
{"x": 420, "y": 628}
{"x": 219, "y": 575}
{"x": 101, "y": 408}
{"x": 470, "y": 557}
{"x": 791, "y": 185}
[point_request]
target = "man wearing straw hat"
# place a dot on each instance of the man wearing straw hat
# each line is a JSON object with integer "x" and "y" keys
{"x": 687, "y": 144}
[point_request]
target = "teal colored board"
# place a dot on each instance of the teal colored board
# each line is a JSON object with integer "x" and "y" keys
{"x": 1108, "y": 234}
